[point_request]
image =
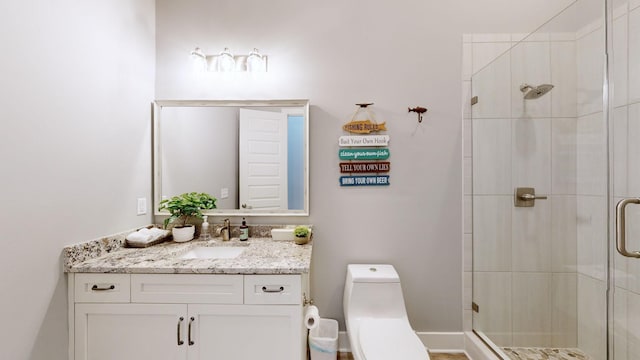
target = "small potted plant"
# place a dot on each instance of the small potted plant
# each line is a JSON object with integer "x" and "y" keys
{"x": 301, "y": 233}
{"x": 182, "y": 209}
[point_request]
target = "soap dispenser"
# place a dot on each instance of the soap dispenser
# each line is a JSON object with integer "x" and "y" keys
{"x": 244, "y": 231}
{"x": 204, "y": 231}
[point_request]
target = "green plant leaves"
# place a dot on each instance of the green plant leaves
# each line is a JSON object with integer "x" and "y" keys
{"x": 187, "y": 205}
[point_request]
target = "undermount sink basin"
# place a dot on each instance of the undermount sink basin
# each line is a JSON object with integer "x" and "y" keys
{"x": 213, "y": 252}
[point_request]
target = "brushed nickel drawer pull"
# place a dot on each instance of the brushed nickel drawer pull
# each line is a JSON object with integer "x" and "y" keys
{"x": 96, "y": 288}
{"x": 279, "y": 290}
{"x": 180, "y": 341}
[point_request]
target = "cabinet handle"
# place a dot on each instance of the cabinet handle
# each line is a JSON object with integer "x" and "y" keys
{"x": 180, "y": 341}
{"x": 96, "y": 288}
{"x": 264, "y": 289}
{"x": 191, "y": 320}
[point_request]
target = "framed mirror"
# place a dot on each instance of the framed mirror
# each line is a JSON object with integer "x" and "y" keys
{"x": 253, "y": 156}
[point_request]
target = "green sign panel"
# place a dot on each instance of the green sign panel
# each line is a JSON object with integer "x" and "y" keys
{"x": 366, "y": 180}
{"x": 364, "y": 154}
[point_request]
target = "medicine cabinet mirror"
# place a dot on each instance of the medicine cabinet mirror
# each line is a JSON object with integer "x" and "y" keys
{"x": 253, "y": 156}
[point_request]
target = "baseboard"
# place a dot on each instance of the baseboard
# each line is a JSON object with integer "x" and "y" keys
{"x": 450, "y": 342}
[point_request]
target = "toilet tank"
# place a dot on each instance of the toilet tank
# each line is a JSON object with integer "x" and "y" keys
{"x": 373, "y": 291}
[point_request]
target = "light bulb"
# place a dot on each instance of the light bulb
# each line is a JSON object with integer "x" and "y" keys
{"x": 226, "y": 62}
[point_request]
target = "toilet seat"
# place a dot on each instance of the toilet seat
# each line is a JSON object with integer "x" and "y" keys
{"x": 384, "y": 339}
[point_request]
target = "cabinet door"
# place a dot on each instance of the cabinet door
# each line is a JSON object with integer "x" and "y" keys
{"x": 241, "y": 332}
{"x": 130, "y": 332}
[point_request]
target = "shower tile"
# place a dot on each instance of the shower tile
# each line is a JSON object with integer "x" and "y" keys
{"x": 633, "y": 150}
{"x": 491, "y": 38}
{"x": 634, "y": 4}
{"x": 467, "y": 61}
{"x": 563, "y": 155}
{"x": 467, "y": 320}
{"x": 492, "y": 293}
{"x": 633, "y": 317}
{"x": 530, "y": 64}
{"x": 468, "y": 178}
{"x": 562, "y": 36}
{"x": 484, "y": 53}
{"x": 633, "y": 244}
{"x": 621, "y": 324}
{"x": 620, "y": 61}
{"x": 592, "y": 315}
{"x": 590, "y": 78}
{"x": 468, "y": 252}
{"x": 564, "y": 310}
{"x": 564, "y": 77}
{"x": 466, "y": 99}
{"x": 563, "y": 234}
{"x": 468, "y": 288}
{"x": 531, "y": 237}
{"x": 634, "y": 55}
{"x": 492, "y": 84}
{"x": 492, "y": 156}
{"x": 531, "y": 302}
{"x": 468, "y": 214}
{"x": 468, "y": 136}
{"x": 492, "y": 233}
{"x": 619, "y": 123}
{"x": 531, "y": 154}
{"x": 591, "y": 168}
{"x": 592, "y": 236}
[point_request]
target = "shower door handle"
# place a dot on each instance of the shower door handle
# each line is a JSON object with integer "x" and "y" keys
{"x": 621, "y": 231}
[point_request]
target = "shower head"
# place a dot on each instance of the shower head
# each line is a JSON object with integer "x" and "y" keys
{"x": 531, "y": 92}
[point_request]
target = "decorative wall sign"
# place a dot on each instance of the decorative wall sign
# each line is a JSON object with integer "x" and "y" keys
{"x": 364, "y": 140}
{"x": 364, "y": 154}
{"x": 363, "y": 127}
{"x": 365, "y": 167}
{"x": 372, "y": 180}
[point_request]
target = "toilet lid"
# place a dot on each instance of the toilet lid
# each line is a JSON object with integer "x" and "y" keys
{"x": 384, "y": 339}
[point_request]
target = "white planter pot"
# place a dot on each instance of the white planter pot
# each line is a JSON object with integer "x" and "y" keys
{"x": 183, "y": 234}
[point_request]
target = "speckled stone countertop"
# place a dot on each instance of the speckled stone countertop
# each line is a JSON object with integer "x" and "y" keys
{"x": 261, "y": 256}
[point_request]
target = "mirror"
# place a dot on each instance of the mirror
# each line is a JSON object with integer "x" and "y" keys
{"x": 253, "y": 156}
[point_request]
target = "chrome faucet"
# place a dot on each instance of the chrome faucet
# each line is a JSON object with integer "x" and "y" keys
{"x": 225, "y": 231}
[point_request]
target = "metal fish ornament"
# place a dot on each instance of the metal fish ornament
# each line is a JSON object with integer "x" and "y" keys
{"x": 363, "y": 127}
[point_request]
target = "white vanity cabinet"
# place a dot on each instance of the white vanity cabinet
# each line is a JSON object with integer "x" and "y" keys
{"x": 195, "y": 317}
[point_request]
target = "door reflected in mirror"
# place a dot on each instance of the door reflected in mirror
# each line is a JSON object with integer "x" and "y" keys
{"x": 251, "y": 155}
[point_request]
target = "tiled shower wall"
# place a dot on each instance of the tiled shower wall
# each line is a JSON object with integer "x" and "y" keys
{"x": 524, "y": 258}
{"x": 540, "y": 276}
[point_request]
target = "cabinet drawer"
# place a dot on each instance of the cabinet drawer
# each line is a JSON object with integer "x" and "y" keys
{"x": 97, "y": 288}
{"x": 178, "y": 288}
{"x": 272, "y": 289}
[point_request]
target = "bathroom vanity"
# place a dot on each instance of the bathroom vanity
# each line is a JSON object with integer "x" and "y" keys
{"x": 154, "y": 304}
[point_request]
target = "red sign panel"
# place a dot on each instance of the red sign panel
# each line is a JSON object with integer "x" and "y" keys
{"x": 365, "y": 167}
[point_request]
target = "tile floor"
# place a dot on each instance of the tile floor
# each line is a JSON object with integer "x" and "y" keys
{"x": 544, "y": 353}
{"x": 433, "y": 356}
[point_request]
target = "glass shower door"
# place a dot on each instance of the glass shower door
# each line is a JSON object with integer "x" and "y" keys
{"x": 624, "y": 128}
{"x": 540, "y": 272}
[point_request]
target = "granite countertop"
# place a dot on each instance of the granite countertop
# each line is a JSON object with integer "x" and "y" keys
{"x": 261, "y": 256}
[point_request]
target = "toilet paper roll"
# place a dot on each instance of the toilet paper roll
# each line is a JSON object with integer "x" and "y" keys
{"x": 311, "y": 317}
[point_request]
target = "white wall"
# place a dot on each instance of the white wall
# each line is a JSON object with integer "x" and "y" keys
{"x": 77, "y": 83}
{"x": 337, "y": 53}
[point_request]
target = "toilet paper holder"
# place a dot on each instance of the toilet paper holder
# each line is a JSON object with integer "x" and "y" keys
{"x": 306, "y": 301}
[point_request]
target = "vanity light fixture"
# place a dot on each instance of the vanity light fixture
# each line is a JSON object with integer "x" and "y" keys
{"x": 226, "y": 61}
{"x": 198, "y": 60}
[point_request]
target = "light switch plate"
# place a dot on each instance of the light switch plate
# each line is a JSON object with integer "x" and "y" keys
{"x": 142, "y": 206}
{"x": 224, "y": 193}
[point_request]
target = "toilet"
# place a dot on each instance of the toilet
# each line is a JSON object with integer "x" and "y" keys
{"x": 375, "y": 315}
